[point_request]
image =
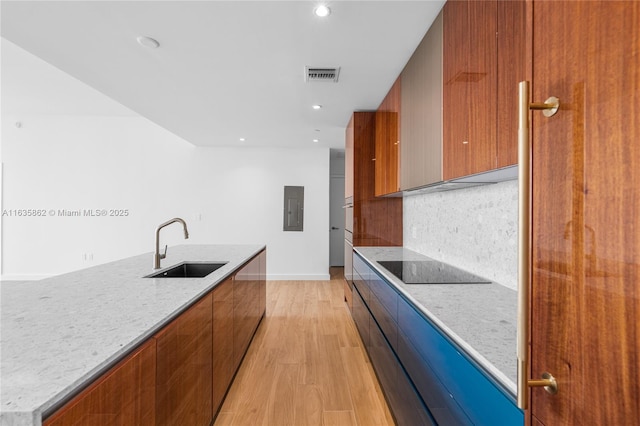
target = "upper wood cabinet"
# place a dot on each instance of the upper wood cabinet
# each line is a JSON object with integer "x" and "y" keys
{"x": 408, "y": 137}
{"x": 125, "y": 395}
{"x": 421, "y": 118}
{"x": 376, "y": 221}
{"x": 483, "y": 61}
{"x": 387, "y": 152}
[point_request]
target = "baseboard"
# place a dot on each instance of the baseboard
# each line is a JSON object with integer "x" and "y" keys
{"x": 318, "y": 277}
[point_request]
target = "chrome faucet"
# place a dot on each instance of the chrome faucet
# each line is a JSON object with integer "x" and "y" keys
{"x": 157, "y": 256}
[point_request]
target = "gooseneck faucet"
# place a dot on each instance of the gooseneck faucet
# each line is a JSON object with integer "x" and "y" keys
{"x": 157, "y": 257}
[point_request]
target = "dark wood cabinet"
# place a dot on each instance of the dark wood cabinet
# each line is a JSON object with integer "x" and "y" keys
{"x": 376, "y": 221}
{"x": 470, "y": 79}
{"x": 184, "y": 367}
{"x": 387, "y": 143}
{"x": 483, "y": 61}
{"x": 125, "y": 395}
{"x": 585, "y": 303}
{"x": 239, "y": 304}
{"x": 223, "y": 361}
{"x": 512, "y": 62}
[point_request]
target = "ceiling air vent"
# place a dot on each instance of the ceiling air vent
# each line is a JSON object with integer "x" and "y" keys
{"x": 321, "y": 74}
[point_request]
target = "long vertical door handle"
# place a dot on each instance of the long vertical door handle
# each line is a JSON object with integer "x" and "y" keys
{"x": 549, "y": 108}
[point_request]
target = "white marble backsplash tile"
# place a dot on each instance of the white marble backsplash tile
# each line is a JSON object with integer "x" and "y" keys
{"x": 475, "y": 229}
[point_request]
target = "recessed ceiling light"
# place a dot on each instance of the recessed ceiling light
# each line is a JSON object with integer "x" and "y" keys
{"x": 316, "y": 140}
{"x": 322, "y": 11}
{"x": 242, "y": 139}
{"x": 317, "y": 107}
{"x": 148, "y": 42}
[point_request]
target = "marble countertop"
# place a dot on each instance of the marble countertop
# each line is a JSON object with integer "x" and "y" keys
{"x": 60, "y": 333}
{"x": 480, "y": 318}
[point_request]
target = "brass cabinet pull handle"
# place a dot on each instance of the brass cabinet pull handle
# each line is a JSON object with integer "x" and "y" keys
{"x": 548, "y": 382}
{"x": 549, "y": 108}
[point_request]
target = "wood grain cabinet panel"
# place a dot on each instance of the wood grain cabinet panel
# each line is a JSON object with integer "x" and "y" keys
{"x": 247, "y": 306}
{"x": 387, "y": 143}
{"x": 184, "y": 367}
{"x": 585, "y": 208}
{"x": 124, "y": 396}
{"x": 470, "y": 79}
{"x": 376, "y": 221}
{"x": 223, "y": 361}
{"x": 511, "y": 27}
{"x": 483, "y": 61}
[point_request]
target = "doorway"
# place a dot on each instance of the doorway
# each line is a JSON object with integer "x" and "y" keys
{"x": 336, "y": 213}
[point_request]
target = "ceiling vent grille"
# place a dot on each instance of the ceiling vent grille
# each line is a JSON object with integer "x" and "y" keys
{"x": 321, "y": 74}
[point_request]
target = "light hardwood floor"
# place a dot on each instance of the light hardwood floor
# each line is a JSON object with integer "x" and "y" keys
{"x": 306, "y": 365}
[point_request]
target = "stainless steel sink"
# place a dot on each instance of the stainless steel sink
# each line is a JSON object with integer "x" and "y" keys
{"x": 188, "y": 270}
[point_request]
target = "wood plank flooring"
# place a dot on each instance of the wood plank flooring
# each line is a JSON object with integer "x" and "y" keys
{"x": 306, "y": 364}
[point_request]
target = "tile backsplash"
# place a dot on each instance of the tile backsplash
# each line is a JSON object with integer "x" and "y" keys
{"x": 475, "y": 229}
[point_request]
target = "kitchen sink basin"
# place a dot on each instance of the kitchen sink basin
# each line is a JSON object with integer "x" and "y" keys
{"x": 188, "y": 270}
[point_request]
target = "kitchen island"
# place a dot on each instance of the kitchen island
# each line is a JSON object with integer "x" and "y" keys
{"x": 60, "y": 334}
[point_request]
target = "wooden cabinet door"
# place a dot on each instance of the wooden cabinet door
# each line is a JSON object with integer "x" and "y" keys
{"x": 511, "y": 69}
{"x": 184, "y": 368}
{"x": 421, "y": 107}
{"x": 124, "y": 396}
{"x": 470, "y": 81}
{"x": 586, "y": 207}
{"x": 387, "y": 178}
{"x": 223, "y": 362}
{"x": 246, "y": 307}
{"x": 376, "y": 221}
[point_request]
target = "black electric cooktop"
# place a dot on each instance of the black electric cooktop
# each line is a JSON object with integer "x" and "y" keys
{"x": 430, "y": 272}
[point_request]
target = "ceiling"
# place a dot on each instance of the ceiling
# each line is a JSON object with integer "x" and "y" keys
{"x": 227, "y": 70}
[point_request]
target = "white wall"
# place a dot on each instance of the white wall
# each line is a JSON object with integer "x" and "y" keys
{"x": 475, "y": 229}
{"x": 57, "y": 161}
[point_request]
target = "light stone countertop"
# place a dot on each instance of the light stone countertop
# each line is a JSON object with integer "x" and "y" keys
{"x": 60, "y": 333}
{"x": 480, "y": 318}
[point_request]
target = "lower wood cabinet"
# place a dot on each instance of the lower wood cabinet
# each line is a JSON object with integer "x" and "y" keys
{"x": 184, "y": 367}
{"x": 125, "y": 395}
{"x": 249, "y": 298}
{"x": 181, "y": 375}
{"x": 223, "y": 361}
